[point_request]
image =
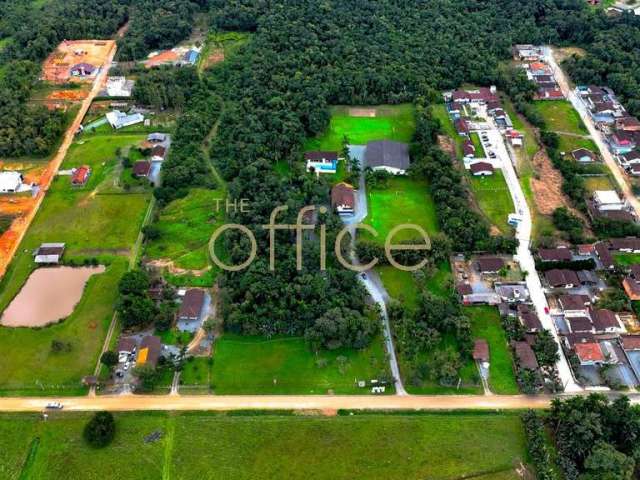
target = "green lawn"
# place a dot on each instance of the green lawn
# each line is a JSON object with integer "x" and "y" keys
{"x": 196, "y": 375}
{"x": 598, "y": 183}
{"x": 405, "y": 200}
{"x": 286, "y": 365}
{"x": 403, "y": 287}
{"x": 485, "y": 323}
{"x": 570, "y": 143}
{"x": 395, "y": 122}
{"x": 185, "y": 226}
{"x": 560, "y": 116}
{"x": 92, "y": 223}
{"x": 27, "y": 364}
{"x": 475, "y": 138}
{"x": 439, "y": 112}
{"x": 374, "y": 446}
{"x": 494, "y": 199}
{"x": 626, "y": 259}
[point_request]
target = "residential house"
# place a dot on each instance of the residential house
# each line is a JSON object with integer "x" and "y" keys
{"x": 628, "y": 124}
{"x": 585, "y": 250}
{"x": 527, "y": 53}
{"x": 587, "y": 277}
{"x": 489, "y": 265}
{"x": 512, "y": 292}
{"x": 605, "y": 200}
{"x": 126, "y": 346}
{"x": 625, "y": 244}
{"x": 606, "y": 321}
{"x": 628, "y": 159}
{"x": 321, "y": 162}
{"x": 589, "y": 353}
{"x": 468, "y": 149}
{"x": 557, "y": 278}
{"x": 387, "y": 155}
{"x": 343, "y": 198}
{"x": 141, "y": 168}
{"x": 158, "y": 153}
{"x": 481, "y": 169}
{"x": 604, "y": 255}
{"x": 579, "y": 325}
{"x": 48, "y": 253}
{"x": 118, "y": 119}
{"x": 575, "y": 305}
{"x": 525, "y": 356}
{"x": 80, "y": 176}
{"x": 156, "y": 137}
{"x": 631, "y": 287}
{"x": 481, "y": 351}
{"x": 461, "y": 126}
{"x": 622, "y": 142}
{"x": 10, "y": 181}
{"x": 191, "y": 310}
{"x": 557, "y": 254}
{"x": 529, "y": 319}
{"x": 550, "y": 93}
{"x": 516, "y": 138}
{"x": 481, "y": 95}
{"x": 149, "y": 351}
{"x": 604, "y": 112}
{"x": 583, "y": 155}
{"x": 630, "y": 343}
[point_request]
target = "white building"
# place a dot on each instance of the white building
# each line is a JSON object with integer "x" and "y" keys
{"x": 10, "y": 182}
{"x": 119, "y": 87}
{"x": 608, "y": 200}
{"x": 118, "y": 119}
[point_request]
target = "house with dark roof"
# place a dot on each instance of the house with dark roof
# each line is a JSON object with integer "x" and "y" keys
{"x": 191, "y": 311}
{"x": 604, "y": 255}
{"x": 481, "y": 95}
{"x": 557, "y": 254}
{"x": 574, "y": 305}
{"x": 481, "y": 351}
{"x": 529, "y": 319}
{"x": 49, "y": 253}
{"x": 141, "y": 168}
{"x": 628, "y": 159}
{"x": 158, "y": 153}
{"x": 561, "y": 278}
{"x": 461, "y": 126}
{"x": 579, "y": 325}
{"x": 481, "y": 169}
{"x": 587, "y": 277}
{"x": 630, "y": 342}
{"x": 343, "y": 198}
{"x": 82, "y": 70}
{"x": 625, "y": 245}
{"x": 622, "y": 142}
{"x": 525, "y": 356}
{"x": 606, "y": 321}
{"x": 489, "y": 265}
{"x": 387, "y": 155}
{"x": 628, "y": 123}
{"x": 468, "y": 148}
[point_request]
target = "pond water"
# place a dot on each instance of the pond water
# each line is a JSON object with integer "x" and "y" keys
{"x": 49, "y": 295}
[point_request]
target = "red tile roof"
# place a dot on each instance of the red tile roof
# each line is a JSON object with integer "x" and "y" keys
{"x": 481, "y": 350}
{"x": 81, "y": 175}
{"x": 589, "y": 352}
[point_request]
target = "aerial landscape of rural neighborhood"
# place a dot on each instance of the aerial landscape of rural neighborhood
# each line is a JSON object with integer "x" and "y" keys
{"x": 334, "y": 240}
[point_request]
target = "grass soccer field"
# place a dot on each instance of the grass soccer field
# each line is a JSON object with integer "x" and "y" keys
{"x": 485, "y": 323}
{"x": 286, "y": 365}
{"x": 560, "y": 116}
{"x": 494, "y": 199}
{"x": 405, "y": 200}
{"x": 395, "y": 122}
{"x": 251, "y": 445}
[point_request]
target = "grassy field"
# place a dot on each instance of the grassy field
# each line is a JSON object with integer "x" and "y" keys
{"x": 185, "y": 226}
{"x": 390, "y": 123}
{"x": 494, "y": 199}
{"x": 245, "y": 365}
{"x": 99, "y": 221}
{"x": 475, "y": 138}
{"x": 29, "y": 366}
{"x": 248, "y": 446}
{"x": 569, "y": 143}
{"x": 560, "y": 116}
{"x": 598, "y": 183}
{"x": 405, "y": 200}
{"x": 485, "y": 323}
{"x": 626, "y": 259}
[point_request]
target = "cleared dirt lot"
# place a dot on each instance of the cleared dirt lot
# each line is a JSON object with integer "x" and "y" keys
{"x": 69, "y": 53}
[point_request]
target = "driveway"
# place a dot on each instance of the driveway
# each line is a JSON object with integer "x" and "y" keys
{"x": 370, "y": 279}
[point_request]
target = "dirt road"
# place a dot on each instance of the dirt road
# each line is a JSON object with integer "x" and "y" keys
{"x": 58, "y": 158}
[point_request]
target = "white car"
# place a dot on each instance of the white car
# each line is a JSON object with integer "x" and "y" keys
{"x": 54, "y": 406}
{"x": 126, "y": 366}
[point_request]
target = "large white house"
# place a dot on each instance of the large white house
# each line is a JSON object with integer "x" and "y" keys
{"x": 118, "y": 119}
{"x": 10, "y": 182}
{"x": 607, "y": 200}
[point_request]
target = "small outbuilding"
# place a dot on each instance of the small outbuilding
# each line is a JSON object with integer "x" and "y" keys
{"x": 49, "y": 253}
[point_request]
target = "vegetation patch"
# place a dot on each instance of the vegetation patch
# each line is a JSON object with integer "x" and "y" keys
{"x": 560, "y": 117}
{"x": 494, "y": 199}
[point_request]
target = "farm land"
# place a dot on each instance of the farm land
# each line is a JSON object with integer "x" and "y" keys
{"x": 483, "y": 446}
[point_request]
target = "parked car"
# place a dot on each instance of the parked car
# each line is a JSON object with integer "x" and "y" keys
{"x": 54, "y": 406}
{"x": 492, "y": 155}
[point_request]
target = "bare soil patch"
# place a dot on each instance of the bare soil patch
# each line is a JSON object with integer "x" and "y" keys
{"x": 216, "y": 56}
{"x": 69, "y": 53}
{"x": 362, "y": 112}
{"x": 548, "y": 187}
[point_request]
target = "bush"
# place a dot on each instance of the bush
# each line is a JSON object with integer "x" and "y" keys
{"x": 100, "y": 430}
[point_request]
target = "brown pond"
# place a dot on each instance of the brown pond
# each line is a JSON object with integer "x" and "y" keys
{"x": 49, "y": 295}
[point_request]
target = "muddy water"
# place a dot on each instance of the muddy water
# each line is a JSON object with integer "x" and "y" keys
{"x": 49, "y": 295}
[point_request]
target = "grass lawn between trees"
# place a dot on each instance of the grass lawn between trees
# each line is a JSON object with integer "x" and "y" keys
{"x": 560, "y": 116}
{"x": 286, "y": 365}
{"x": 244, "y": 445}
{"x": 494, "y": 199}
{"x": 99, "y": 220}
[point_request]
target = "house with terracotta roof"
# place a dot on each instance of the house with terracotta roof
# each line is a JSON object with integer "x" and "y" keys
{"x": 589, "y": 353}
{"x": 631, "y": 288}
{"x": 468, "y": 149}
{"x": 80, "y": 176}
{"x": 481, "y": 351}
{"x": 515, "y": 137}
{"x": 461, "y": 126}
{"x": 481, "y": 95}
{"x": 158, "y": 153}
{"x": 343, "y": 198}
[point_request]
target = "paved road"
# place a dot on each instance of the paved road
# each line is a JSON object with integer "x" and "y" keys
{"x": 58, "y": 158}
{"x": 524, "y": 255}
{"x": 596, "y": 135}
{"x": 371, "y": 281}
